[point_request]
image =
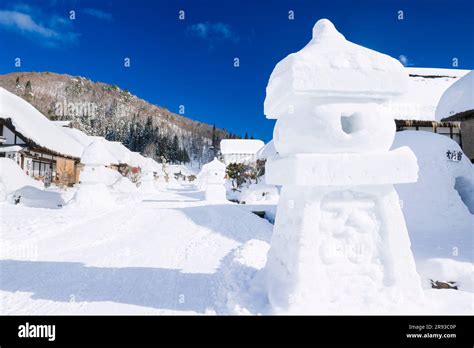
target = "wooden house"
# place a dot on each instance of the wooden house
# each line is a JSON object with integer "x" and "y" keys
{"x": 38, "y": 146}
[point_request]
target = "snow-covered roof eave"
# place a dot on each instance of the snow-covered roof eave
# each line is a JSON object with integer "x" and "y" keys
{"x": 241, "y": 146}
{"x": 34, "y": 145}
{"x": 35, "y": 128}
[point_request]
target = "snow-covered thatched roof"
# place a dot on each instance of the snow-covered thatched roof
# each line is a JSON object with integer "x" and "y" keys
{"x": 97, "y": 153}
{"x": 118, "y": 153}
{"x": 241, "y": 146}
{"x": 424, "y": 90}
{"x": 267, "y": 151}
{"x": 35, "y": 127}
{"x": 459, "y": 97}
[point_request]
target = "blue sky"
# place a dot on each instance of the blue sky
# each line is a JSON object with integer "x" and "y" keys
{"x": 191, "y": 62}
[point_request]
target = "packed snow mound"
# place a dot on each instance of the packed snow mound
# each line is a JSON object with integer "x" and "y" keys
{"x": 100, "y": 174}
{"x": 437, "y": 207}
{"x": 259, "y": 194}
{"x": 35, "y": 126}
{"x": 93, "y": 196}
{"x": 459, "y": 97}
{"x": 97, "y": 153}
{"x": 124, "y": 185}
{"x": 331, "y": 67}
{"x": 12, "y": 177}
{"x": 447, "y": 270}
{"x": 32, "y": 197}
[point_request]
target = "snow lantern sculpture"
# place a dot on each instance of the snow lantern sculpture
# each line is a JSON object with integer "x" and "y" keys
{"x": 96, "y": 176}
{"x": 213, "y": 174}
{"x": 147, "y": 177}
{"x": 340, "y": 236}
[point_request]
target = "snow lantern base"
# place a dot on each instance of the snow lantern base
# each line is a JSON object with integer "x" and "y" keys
{"x": 340, "y": 245}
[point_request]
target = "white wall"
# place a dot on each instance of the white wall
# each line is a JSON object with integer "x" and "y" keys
{"x": 238, "y": 158}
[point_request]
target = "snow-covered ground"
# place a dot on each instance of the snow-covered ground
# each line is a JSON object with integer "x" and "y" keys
{"x": 168, "y": 252}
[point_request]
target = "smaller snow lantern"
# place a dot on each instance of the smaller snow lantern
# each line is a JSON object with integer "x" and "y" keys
{"x": 147, "y": 177}
{"x": 95, "y": 177}
{"x": 213, "y": 174}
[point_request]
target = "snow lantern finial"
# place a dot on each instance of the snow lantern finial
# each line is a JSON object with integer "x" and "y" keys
{"x": 324, "y": 29}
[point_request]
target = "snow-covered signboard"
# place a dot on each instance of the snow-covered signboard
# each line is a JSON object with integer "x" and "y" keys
{"x": 455, "y": 156}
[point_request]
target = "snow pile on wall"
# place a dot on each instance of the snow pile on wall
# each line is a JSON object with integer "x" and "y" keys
{"x": 457, "y": 98}
{"x": 436, "y": 208}
{"x": 102, "y": 175}
{"x": 35, "y": 126}
{"x": 124, "y": 185}
{"x": 93, "y": 196}
{"x": 12, "y": 178}
{"x": 260, "y": 194}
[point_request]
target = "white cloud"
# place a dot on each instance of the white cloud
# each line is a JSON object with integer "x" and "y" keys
{"x": 213, "y": 32}
{"x": 24, "y": 22}
{"x": 98, "y": 14}
{"x": 30, "y": 22}
{"x": 403, "y": 59}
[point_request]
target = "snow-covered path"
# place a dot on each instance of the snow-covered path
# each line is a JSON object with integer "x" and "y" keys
{"x": 163, "y": 253}
{"x": 159, "y": 254}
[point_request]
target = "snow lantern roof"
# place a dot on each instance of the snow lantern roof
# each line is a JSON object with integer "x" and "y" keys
{"x": 34, "y": 126}
{"x": 240, "y": 146}
{"x": 97, "y": 153}
{"x": 214, "y": 165}
{"x": 330, "y": 67}
{"x": 459, "y": 97}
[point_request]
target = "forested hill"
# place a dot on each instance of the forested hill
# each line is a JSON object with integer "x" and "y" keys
{"x": 107, "y": 110}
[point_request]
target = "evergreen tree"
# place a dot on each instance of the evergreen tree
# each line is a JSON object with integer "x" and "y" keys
{"x": 148, "y": 132}
{"x": 28, "y": 90}
{"x": 174, "y": 151}
{"x": 215, "y": 142}
{"x": 246, "y": 136}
